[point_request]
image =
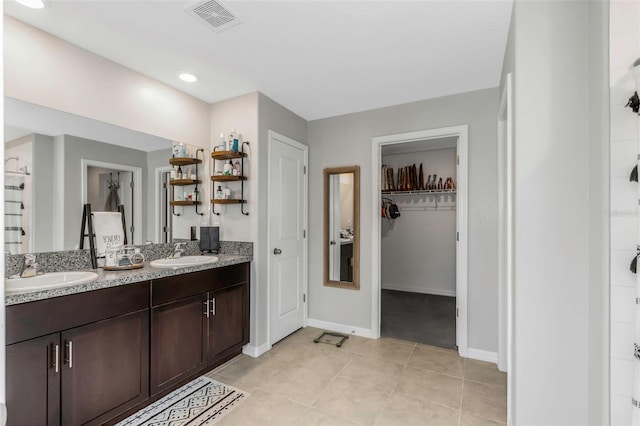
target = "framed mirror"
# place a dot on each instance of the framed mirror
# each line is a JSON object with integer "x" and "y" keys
{"x": 342, "y": 227}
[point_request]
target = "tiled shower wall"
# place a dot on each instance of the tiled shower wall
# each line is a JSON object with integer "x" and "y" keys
{"x": 624, "y": 50}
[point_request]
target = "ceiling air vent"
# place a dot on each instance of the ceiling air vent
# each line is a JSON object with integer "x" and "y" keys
{"x": 214, "y": 14}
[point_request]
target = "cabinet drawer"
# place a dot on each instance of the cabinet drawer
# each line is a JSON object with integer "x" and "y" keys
{"x": 168, "y": 289}
{"x": 29, "y": 320}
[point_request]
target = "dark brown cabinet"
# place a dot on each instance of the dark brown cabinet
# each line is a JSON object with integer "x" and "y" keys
{"x": 98, "y": 356}
{"x": 85, "y": 373}
{"x": 228, "y": 328}
{"x": 202, "y": 317}
{"x": 178, "y": 341}
{"x": 33, "y": 381}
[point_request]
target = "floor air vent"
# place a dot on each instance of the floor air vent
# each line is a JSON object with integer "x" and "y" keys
{"x": 214, "y": 14}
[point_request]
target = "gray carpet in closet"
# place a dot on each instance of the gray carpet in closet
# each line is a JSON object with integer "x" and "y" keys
{"x": 420, "y": 318}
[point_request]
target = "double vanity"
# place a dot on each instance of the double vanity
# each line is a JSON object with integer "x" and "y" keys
{"x": 95, "y": 351}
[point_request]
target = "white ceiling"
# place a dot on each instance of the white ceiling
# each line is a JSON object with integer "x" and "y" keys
{"x": 317, "y": 58}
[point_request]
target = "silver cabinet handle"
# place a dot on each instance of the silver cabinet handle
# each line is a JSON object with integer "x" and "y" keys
{"x": 213, "y": 306}
{"x": 56, "y": 355}
{"x": 69, "y": 345}
{"x": 206, "y": 309}
{"x": 277, "y": 251}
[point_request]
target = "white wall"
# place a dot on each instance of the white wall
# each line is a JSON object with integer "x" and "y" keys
{"x": 45, "y": 70}
{"x": 418, "y": 249}
{"x": 346, "y": 140}
{"x": 624, "y": 50}
{"x": 557, "y": 317}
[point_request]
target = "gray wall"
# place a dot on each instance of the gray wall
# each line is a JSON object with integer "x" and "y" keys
{"x": 43, "y": 192}
{"x": 557, "y": 50}
{"x": 76, "y": 149}
{"x": 346, "y": 140}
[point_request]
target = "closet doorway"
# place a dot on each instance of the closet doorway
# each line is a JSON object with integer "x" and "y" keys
{"x": 422, "y": 263}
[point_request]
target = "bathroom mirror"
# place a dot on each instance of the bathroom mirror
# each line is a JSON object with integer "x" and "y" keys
{"x": 97, "y": 156}
{"x": 342, "y": 227}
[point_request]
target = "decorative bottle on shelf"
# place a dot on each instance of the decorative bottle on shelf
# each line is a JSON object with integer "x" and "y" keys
{"x": 179, "y": 173}
{"x": 230, "y": 141}
{"x": 235, "y": 140}
{"x": 237, "y": 167}
{"x": 222, "y": 145}
{"x": 219, "y": 193}
{"x": 228, "y": 168}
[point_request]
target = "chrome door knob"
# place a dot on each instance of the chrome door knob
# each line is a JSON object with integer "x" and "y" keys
{"x": 277, "y": 251}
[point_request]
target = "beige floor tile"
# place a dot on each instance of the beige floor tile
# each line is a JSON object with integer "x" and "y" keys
{"x": 373, "y": 371}
{"x": 247, "y": 373}
{"x": 438, "y": 348}
{"x": 430, "y": 386}
{"x": 298, "y": 383}
{"x": 265, "y": 409}
{"x": 486, "y": 401}
{"x": 484, "y": 372}
{"x": 404, "y": 410}
{"x": 352, "y": 401}
{"x": 314, "y": 417}
{"x": 391, "y": 351}
{"x": 427, "y": 358}
{"x": 467, "y": 419}
{"x": 394, "y": 340}
{"x": 325, "y": 360}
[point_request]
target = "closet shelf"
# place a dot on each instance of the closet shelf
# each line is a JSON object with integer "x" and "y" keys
{"x": 421, "y": 192}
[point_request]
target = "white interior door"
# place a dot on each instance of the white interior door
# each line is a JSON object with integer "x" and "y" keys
{"x": 287, "y": 217}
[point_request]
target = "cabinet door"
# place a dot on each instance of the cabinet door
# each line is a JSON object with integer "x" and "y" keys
{"x": 33, "y": 382}
{"x": 178, "y": 341}
{"x": 230, "y": 322}
{"x": 106, "y": 368}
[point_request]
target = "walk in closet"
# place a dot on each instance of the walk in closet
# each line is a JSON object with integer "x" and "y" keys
{"x": 418, "y": 242}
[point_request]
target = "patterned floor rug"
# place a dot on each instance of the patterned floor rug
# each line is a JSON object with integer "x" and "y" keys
{"x": 200, "y": 402}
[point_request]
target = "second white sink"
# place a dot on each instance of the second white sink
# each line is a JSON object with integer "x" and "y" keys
{"x": 47, "y": 281}
{"x": 182, "y": 262}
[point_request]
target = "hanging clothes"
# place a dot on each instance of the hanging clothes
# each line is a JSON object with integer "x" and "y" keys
{"x": 113, "y": 197}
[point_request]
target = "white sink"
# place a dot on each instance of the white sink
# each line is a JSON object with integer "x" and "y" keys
{"x": 47, "y": 281}
{"x": 184, "y": 261}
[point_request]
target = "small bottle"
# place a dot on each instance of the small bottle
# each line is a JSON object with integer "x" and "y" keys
{"x": 223, "y": 144}
{"x": 235, "y": 140}
{"x": 179, "y": 173}
{"x": 228, "y": 168}
{"x": 230, "y": 141}
{"x": 219, "y": 193}
{"x": 236, "y": 166}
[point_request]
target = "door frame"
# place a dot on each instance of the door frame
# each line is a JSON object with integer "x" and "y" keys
{"x": 159, "y": 171}
{"x": 305, "y": 246}
{"x": 462, "y": 133}
{"x": 137, "y": 191}
{"x": 505, "y": 150}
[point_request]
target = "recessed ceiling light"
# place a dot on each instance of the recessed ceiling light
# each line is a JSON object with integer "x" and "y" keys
{"x": 189, "y": 78}
{"x": 33, "y": 4}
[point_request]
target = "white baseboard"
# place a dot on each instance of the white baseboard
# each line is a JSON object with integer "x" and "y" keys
{"x": 255, "y": 351}
{"x": 436, "y": 292}
{"x": 340, "y": 328}
{"x": 482, "y": 355}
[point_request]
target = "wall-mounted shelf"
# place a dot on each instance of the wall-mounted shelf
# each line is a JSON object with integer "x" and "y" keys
{"x": 228, "y": 201}
{"x": 185, "y": 203}
{"x": 224, "y": 156}
{"x": 185, "y": 182}
{"x": 228, "y": 155}
{"x": 226, "y": 178}
{"x": 186, "y": 161}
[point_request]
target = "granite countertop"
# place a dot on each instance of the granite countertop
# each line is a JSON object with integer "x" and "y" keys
{"x": 108, "y": 279}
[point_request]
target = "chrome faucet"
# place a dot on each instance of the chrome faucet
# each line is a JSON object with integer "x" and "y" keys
{"x": 29, "y": 267}
{"x": 178, "y": 249}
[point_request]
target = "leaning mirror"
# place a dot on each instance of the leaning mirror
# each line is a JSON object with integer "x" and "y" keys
{"x": 342, "y": 227}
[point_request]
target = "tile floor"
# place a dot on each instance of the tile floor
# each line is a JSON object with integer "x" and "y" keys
{"x": 366, "y": 382}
